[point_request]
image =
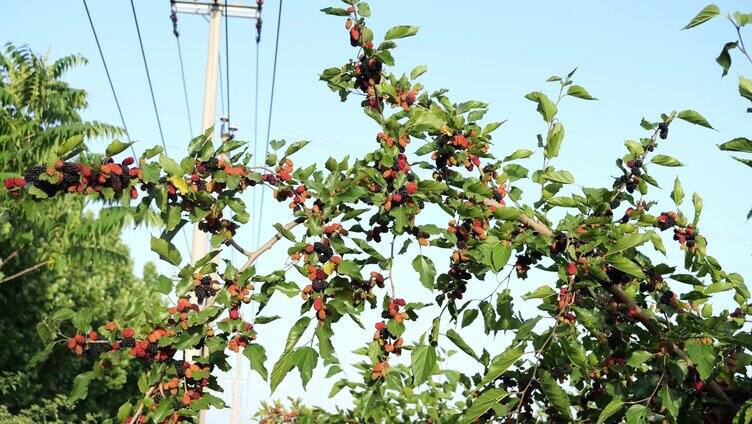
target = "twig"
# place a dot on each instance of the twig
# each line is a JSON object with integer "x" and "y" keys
{"x": 11, "y": 256}
{"x": 235, "y": 244}
{"x": 25, "y": 271}
{"x": 269, "y": 244}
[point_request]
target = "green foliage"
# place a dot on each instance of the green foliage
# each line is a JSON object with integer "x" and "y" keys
{"x": 618, "y": 344}
{"x": 66, "y": 257}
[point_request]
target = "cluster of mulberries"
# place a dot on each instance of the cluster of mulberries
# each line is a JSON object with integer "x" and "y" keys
{"x": 663, "y": 130}
{"x": 204, "y": 288}
{"x": 685, "y": 236}
{"x": 389, "y": 343}
{"x": 666, "y": 220}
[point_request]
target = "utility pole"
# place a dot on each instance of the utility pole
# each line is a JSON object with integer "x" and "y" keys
{"x": 215, "y": 10}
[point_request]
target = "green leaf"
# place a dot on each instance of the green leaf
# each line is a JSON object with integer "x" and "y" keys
{"x": 469, "y": 316}
{"x": 400, "y": 31}
{"x": 116, "y": 147}
{"x": 638, "y": 357}
{"x": 553, "y": 143}
{"x": 625, "y": 265}
{"x": 665, "y": 160}
{"x": 335, "y": 11}
{"x": 707, "y": 13}
{"x": 613, "y": 407}
{"x": 418, "y": 71}
{"x": 294, "y": 147}
{"x": 627, "y": 241}
{"x": 703, "y": 355}
{"x": 305, "y": 358}
{"x": 296, "y": 332}
{"x": 163, "y": 284}
{"x": 69, "y": 144}
{"x": 170, "y": 166}
{"x": 364, "y": 10}
{"x": 563, "y": 177}
{"x": 500, "y": 254}
{"x": 637, "y": 414}
{"x": 745, "y": 87}
{"x": 671, "y": 400}
{"x": 724, "y": 58}
{"x": 256, "y": 355}
{"x": 579, "y": 92}
{"x": 501, "y": 363}
{"x": 489, "y": 316}
{"x": 739, "y": 144}
{"x": 425, "y": 267}
{"x": 261, "y": 319}
{"x": 541, "y": 292}
{"x": 678, "y": 194}
{"x": 697, "y": 202}
{"x": 80, "y": 386}
{"x": 694, "y": 117}
{"x": 324, "y": 335}
{"x": 460, "y": 343}
{"x": 422, "y": 361}
{"x": 482, "y": 404}
{"x": 166, "y": 250}
{"x": 546, "y": 107}
{"x": 553, "y": 391}
{"x": 281, "y": 368}
{"x": 519, "y": 154}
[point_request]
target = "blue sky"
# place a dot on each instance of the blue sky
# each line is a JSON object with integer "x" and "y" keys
{"x": 631, "y": 55}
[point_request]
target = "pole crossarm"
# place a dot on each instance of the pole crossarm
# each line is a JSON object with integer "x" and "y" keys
{"x": 201, "y": 8}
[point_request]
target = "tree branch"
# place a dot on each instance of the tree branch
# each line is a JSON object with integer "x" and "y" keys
{"x": 25, "y": 271}
{"x": 269, "y": 244}
{"x": 237, "y": 247}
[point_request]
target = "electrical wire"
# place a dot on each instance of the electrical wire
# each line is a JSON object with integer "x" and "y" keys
{"x": 185, "y": 88}
{"x": 109, "y": 78}
{"x": 271, "y": 108}
{"x": 148, "y": 76}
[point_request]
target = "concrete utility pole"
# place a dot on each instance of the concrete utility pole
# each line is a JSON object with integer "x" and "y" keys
{"x": 215, "y": 9}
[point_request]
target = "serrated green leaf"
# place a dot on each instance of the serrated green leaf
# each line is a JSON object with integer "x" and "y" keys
{"x": 256, "y": 355}
{"x": 678, "y": 194}
{"x": 400, "y": 31}
{"x": 623, "y": 264}
{"x": 694, "y": 117}
{"x": 665, "y": 160}
{"x": 501, "y": 363}
{"x": 555, "y": 394}
{"x": 458, "y": 341}
{"x": 482, "y": 404}
{"x": 707, "y": 13}
{"x": 423, "y": 361}
{"x": 579, "y": 92}
{"x": 546, "y": 107}
{"x": 425, "y": 267}
{"x": 612, "y": 408}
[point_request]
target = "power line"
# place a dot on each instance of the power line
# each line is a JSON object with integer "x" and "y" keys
{"x": 109, "y": 78}
{"x": 174, "y": 18}
{"x": 148, "y": 76}
{"x": 271, "y": 108}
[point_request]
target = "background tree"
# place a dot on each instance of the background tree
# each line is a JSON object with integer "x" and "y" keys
{"x": 55, "y": 257}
